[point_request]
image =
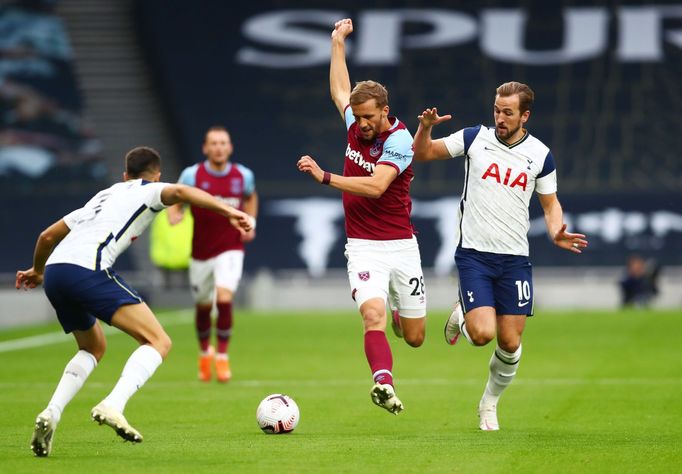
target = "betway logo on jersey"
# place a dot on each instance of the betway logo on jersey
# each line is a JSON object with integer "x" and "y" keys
{"x": 230, "y": 201}
{"x": 357, "y": 158}
{"x": 493, "y": 172}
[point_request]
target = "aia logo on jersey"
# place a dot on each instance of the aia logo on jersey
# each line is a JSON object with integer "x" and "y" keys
{"x": 493, "y": 172}
{"x": 236, "y": 186}
{"x": 364, "y": 276}
{"x": 376, "y": 148}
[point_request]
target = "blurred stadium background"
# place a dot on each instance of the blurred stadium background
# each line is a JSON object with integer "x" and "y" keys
{"x": 81, "y": 82}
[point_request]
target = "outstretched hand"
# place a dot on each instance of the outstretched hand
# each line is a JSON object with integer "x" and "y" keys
{"x": 566, "y": 240}
{"x": 342, "y": 28}
{"x": 241, "y": 221}
{"x": 430, "y": 117}
{"x": 28, "y": 279}
{"x": 306, "y": 164}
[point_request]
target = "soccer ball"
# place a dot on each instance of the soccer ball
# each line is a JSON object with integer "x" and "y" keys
{"x": 277, "y": 414}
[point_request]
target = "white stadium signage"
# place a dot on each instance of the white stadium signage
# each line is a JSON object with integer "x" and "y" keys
{"x": 499, "y": 32}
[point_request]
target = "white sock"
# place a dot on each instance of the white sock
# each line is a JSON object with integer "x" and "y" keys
{"x": 503, "y": 367}
{"x": 465, "y": 333}
{"x": 75, "y": 373}
{"x": 140, "y": 367}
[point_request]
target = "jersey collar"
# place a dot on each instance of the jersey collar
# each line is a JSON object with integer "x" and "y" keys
{"x": 517, "y": 142}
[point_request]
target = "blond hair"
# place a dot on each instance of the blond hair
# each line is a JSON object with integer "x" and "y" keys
{"x": 367, "y": 90}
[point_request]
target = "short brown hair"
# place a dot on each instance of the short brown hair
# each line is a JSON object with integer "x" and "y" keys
{"x": 142, "y": 159}
{"x": 367, "y": 90}
{"x": 526, "y": 94}
{"x": 215, "y": 128}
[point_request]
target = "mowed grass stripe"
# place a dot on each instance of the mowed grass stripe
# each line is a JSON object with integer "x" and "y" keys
{"x": 595, "y": 392}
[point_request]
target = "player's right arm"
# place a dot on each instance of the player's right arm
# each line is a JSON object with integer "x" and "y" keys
{"x": 426, "y": 149}
{"x": 372, "y": 186}
{"x": 47, "y": 241}
{"x": 180, "y": 193}
{"x": 339, "y": 79}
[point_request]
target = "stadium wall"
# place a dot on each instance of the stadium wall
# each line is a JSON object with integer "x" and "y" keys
{"x": 555, "y": 288}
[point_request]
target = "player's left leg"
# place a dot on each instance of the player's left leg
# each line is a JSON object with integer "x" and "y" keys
{"x": 408, "y": 293}
{"x": 138, "y": 321}
{"x": 227, "y": 274}
{"x": 502, "y": 367}
{"x": 514, "y": 296}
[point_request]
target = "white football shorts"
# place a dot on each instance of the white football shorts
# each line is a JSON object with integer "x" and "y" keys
{"x": 224, "y": 270}
{"x": 387, "y": 269}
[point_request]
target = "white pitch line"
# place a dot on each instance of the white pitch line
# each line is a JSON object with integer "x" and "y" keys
{"x": 58, "y": 337}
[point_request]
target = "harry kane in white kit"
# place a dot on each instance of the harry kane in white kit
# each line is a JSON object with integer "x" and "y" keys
{"x": 504, "y": 165}
{"x": 73, "y": 260}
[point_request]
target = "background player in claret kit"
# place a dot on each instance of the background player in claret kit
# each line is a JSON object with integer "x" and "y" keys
{"x": 382, "y": 251}
{"x": 504, "y": 164}
{"x": 73, "y": 258}
{"x": 217, "y": 248}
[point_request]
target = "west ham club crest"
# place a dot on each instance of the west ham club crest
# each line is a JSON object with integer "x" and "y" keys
{"x": 376, "y": 148}
{"x": 236, "y": 186}
{"x": 364, "y": 276}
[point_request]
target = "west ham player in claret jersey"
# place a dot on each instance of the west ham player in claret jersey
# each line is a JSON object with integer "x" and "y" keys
{"x": 217, "y": 249}
{"x": 504, "y": 165}
{"x": 73, "y": 259}
{"x": 384, "y": 265}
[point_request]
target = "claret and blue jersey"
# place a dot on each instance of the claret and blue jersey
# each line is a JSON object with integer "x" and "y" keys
{"x": 388, "y": 217}
{"x": 213, "y": 234}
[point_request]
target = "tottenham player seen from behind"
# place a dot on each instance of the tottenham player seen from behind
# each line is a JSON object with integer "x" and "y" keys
{"x": 384, "y": 264}
{"x": 73, "y": 259}
{"x": 217, "y": 248}
{"x": 504, "y": 165}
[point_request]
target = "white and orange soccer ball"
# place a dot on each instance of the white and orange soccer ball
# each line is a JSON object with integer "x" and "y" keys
{"x": 277, "y": 414}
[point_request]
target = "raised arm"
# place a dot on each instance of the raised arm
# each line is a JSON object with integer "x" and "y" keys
{"x": 339, "y": 80}
{"x": 426, "y": 149}
{"x": 554, "y": 219}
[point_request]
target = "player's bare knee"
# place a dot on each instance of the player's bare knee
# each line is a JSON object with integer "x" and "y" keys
{"x": 414, "y": 340}
{"x": 481, "y": 336}
{"x": 509, "y": 346}
{"x": 373, "y": 319}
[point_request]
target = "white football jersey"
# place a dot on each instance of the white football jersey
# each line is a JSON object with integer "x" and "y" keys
{"x": 498, "y": 184}
{"x": 108, "y": 223}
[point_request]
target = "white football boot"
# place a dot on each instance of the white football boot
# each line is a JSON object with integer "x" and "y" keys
{"x": 452, "y": 325}
{"x": 106, "y": 415}
{"x": 43, "y": 434}
{"x": 487, "y": 415}
{"x": 384, "y": 396}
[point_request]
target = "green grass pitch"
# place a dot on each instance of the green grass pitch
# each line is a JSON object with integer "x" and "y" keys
{"x": 595, "y": 392}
